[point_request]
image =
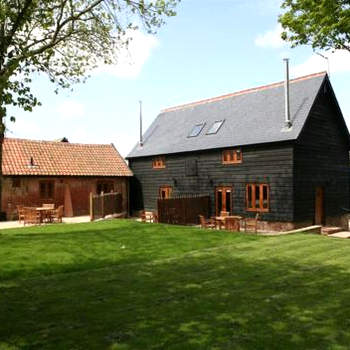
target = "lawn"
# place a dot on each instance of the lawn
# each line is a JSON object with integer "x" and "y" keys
{"x": 128, "y": 285}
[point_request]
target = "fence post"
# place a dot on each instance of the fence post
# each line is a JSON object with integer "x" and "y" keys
{"x": 103, "y": 204}
{"x": 91, "y": 207}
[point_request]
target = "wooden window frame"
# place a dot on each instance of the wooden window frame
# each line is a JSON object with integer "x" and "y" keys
{"x": 47, "y": 184}
{"x": 230, "y": 156}
{"x": 251, "y": 205}
{"x": 168, "y": 190}
{"x": 158, "y": 162}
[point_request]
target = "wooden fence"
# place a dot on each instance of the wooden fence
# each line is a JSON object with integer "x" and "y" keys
{"x": 183, "y": 210}
{"x": 105, "y": 204}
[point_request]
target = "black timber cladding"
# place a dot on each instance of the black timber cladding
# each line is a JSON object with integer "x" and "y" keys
{"x": 271, "y": 164}
{"x": 321, "y": 158}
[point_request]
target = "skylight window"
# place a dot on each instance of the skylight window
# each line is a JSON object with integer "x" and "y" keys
{"x": 196, "y": 130}
{"x": 215, "y": 127}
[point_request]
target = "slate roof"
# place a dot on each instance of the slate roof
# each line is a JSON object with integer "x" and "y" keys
{"x": 251, "y": 116}
{"x": 61, "y": 159}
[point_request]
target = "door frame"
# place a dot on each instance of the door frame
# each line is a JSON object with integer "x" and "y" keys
{"x": 223, "y": 189}
{"x": 168, "y": 190}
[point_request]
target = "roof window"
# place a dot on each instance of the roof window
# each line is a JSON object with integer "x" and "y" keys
{"x": 196, "y": 130}
{"x": 215, "y": 127}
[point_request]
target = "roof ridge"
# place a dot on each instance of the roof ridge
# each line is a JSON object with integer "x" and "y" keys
{"x": 57, "y": 142}
{"x": 241, "y": 92}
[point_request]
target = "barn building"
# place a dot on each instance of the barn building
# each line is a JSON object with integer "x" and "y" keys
{"x": 63, "y": 173}
{"x": 281, "y": 150}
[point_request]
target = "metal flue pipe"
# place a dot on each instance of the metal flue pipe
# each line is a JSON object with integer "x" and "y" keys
{"x": 141, "y": 139}
{"x": 288, "y": 122}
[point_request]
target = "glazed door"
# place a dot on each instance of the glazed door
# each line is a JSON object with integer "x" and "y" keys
{"x": 223, "y": 197}
{"x": 319, "y": 206}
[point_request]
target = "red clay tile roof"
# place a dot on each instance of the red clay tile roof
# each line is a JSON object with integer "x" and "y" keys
{"x": 61, "y": 158}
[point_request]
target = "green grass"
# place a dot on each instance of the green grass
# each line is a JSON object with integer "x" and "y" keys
{"x": 126, "y": 285}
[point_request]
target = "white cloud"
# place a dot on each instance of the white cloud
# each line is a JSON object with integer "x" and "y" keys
{"x": 71, "y": 109}
{"x": 23, "y": 127}
{"x": 271, "y": 38}
{"x": 132, "y": 59}
{"x": 339, "y": 61}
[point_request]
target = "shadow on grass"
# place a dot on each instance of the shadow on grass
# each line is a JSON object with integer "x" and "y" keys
{"x": 210, "y": 301}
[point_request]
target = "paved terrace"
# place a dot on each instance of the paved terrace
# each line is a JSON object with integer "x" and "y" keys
{"x": 15, "y": 224}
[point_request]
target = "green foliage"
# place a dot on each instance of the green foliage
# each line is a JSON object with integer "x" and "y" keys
{"x": 127, "y": 285}
{"x": 323, "y": 24}
{"x": 65, "y": 39}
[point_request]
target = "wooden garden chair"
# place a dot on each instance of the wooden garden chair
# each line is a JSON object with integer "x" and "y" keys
{"x": 143, "y": 216}
{"x": 155, "y": 218}
{"x": 232, "y": 224}
{"x": 20, "y": 212}
{"x": 31, "y": 216}
{"x": 57, "y": 214}
{"x": 251, "y": 224}
{"x": 206, "y": 223}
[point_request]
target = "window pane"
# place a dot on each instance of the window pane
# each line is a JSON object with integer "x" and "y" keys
{"x": 257, "y": 196}
{"x": 42, "y": 190}
{"x": 265, "y": 197}
{"x": 196, "y": 130}
{"x": 49, "y": 189}
{"x": 228, "y": 201}
{"x": 215, "y": 127}
{"x": 219, "y": 199}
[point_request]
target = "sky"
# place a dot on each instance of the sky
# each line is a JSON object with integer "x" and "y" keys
{"x": 210, "y": 48}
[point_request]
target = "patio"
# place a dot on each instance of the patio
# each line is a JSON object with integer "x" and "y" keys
{"x": 66, "y": 220}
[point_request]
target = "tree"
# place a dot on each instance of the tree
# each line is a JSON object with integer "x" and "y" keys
{"x": 65, "y": 39}
{"x": 323, "y": 24}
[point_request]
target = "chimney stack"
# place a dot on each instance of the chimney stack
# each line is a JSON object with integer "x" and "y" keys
{"x": 288, "y": 122}
{"x": 141, "y": 140}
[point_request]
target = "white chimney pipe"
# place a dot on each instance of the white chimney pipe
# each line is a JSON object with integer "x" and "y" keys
{"x": 288, "y": 122}
{"x": 141, "y": 140}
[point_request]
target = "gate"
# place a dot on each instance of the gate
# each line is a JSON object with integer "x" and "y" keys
{"x": 105, "y": 204}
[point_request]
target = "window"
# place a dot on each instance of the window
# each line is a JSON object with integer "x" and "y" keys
{"x": 232, "y": 156}
{"x": 257, "y": 197}
{"x": 105, "y": 187}
{"x": 158, "y": 163}
{"x": 165, "y": 192}
{"x": 16, "y": 182}
{"x": 215, "y": 127}
{"x": 46, "y": 189}
{"x": 196, "y": 130}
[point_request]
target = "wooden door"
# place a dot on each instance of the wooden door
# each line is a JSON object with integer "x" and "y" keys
{"x": 223, "y": 199}
{"x": 319, "y": 206}
{"x": 165, "y": 192}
